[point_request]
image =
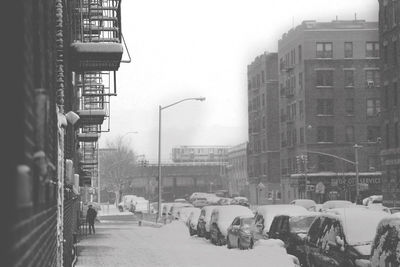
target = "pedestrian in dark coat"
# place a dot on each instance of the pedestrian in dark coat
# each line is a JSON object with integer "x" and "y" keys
{"x": 90, "y": 217}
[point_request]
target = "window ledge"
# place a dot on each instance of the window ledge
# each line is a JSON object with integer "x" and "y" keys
{"x": 324, "y": 86}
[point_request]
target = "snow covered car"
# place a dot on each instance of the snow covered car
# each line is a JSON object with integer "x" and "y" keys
{"x": 292, "y": 230}
{"x": 384, "y": 250}
{"x": 225, "y": 201}
{"x": 192, "y": 221}
{"x": 241, "y": 201}
{"x": 176, "y": 207}
{"x": 372, "y": 199}
{"x": 200, "y": 202}
{"x": 266, "y": 213}
{"x": 239, "y": 233}
{"x": 221, "y": 219}
{"x": 184, "y": 213}
{"x": 203, "y": 225}
{"x": 333, "y": 204}
{"x": 342, "y": 237}
{"x": 309, "y": 204}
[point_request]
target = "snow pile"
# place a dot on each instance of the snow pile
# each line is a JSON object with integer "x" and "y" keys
{"x": 200, "y": 252}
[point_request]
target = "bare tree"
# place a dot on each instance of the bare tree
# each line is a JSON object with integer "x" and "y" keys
{"x": 117, "y": 162}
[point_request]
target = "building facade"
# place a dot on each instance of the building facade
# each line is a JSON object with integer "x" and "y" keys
{"x": 64, "y": 50}
{"x": 237, "y": 182}
{"x": 199, "y": 154}
{"x": 329, "y": 101}
{"x": 389, "y": 19}
{"x": 263, "y": 147}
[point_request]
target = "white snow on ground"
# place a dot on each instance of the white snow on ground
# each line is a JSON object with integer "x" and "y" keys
{"x": 130, "y": 245}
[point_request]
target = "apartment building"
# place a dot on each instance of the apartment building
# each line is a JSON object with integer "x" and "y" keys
{"x": 329, "y": 100}
{"x": 389, "y": 29}
{"x": 263, "y": 118}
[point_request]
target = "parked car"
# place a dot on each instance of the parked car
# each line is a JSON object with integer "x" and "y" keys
{"x": 292, "y": 230}
{"x": 241, "y": 201}
{"x": 384, "y": 251}
{"x": 225, "y": 201}
{"x": 180, "y": 200}
{"x": 239, "y": 233}
{"x": 184, "y": 213}
{"x": 333, "y": 204}
{"x": 309, "y": 204}
{"x": 342, "y": 237}
{"x": 197, "y": 195}
{"x": 266, "y": 213}
{"x": 203, "y": 226}
{"x": 372, "y": 199}
{"x": 192, "y": 221}
{"x": 221, "y": 219}
{"x": 200, "y": 202}
{"x": 175, "y": 208}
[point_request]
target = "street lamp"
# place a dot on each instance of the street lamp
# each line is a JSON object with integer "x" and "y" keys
{"x": 160, "y": 108}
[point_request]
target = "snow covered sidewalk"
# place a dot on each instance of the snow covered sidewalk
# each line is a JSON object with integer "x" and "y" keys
{"x": 127, "y": 244}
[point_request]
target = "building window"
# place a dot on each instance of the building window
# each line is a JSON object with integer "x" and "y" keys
{"x": 301, "y": 109}
{"x": 300, "y": 54}
{"x": 373, "y": 132}
{"x": 395, "y": 95}
{"x": 263, "y": 100}
{"x": 262, "y": 76}
{"x": 395, "y": 60}
{"x": 348, "y": 78}
{"x": 301, "y": 80}
{"x": 387, "y": 135}
{"x": 324, "y": 50}
{"x": 373, "y": 107}
{"x": 348, "y": 50}
{"x": 248, "y": 85}
{"x": 301, "y": 135}
{"x": 324, "y": 106}
{"x": 349, "y": 133}
{"x": 372, "y": 49}
{"x": 324, "y": 77}
{"x": 372, "y": 78}
{"x": 325, "y": 133}
{"x": 385, "y": 53}
{"x": 396, "y": 134}
{"x": 326, "y": 163}
{"x": 349, "y": 106}
{"x": 294, "y": 136}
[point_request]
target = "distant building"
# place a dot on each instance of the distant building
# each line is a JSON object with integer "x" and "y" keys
{"x": 199, "y": 154}
{"x": 389, "y": 19}
{"x": 329, "y": 101}
{"x": 237, "y": 179}
{"x": 263, "y": 148}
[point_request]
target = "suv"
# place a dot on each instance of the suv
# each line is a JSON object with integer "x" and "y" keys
{"x": 342, "y": 237}
{"x": 384, "y": 248}
{"x": 292, "y": 230}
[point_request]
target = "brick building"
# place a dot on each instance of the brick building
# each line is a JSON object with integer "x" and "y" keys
{"x": 236, "y": 179}
{"x": 55, "y": 46}
{"x": 263, "y": 147}
{"x": 389, "y": 19}
{"x": 329, "y": 101}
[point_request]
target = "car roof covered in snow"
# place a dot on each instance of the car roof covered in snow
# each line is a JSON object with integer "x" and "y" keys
{"x": 306, "y": 203}
{"x": 331, "y": 204}
{"x": 359, "y": 225}
{"x": 270, "y": 211}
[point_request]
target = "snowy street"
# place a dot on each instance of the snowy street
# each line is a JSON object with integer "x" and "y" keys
{"x": 120, "y": 242}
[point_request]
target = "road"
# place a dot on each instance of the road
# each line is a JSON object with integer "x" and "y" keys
{"x": 120, "y": 241}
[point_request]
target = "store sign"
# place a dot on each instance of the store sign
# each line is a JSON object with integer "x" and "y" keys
{"x": 352, "y": 181}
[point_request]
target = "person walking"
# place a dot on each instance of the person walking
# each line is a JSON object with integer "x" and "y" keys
{"x": 90, "y": 217}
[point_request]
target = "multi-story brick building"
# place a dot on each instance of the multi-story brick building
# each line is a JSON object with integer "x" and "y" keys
{"x": 236, "y": 174}
{"x": 389, "y": 29}
{"x": 329, "y": 101}
{"x": 199, "y": 154}
{"x": 263, "y": 148}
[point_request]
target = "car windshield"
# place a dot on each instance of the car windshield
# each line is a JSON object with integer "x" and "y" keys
{"x": 247, "y": 222}
{"x": 300, "y": 224}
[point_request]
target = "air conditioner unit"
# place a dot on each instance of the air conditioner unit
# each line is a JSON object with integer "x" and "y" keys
{"x": 370, "y": 84}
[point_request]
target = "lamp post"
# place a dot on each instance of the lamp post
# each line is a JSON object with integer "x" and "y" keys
{"x": 160, "y": 108}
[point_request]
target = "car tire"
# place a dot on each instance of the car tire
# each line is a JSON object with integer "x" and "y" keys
{"x": 228, "y": 243}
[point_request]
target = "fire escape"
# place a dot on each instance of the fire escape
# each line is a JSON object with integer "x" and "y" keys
{"x": 96, "y": 53}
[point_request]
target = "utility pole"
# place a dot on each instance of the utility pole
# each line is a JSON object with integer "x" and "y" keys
{"x": 356, "y": 147}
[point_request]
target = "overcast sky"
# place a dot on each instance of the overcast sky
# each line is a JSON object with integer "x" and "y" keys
{"x": 186, "y": 48}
